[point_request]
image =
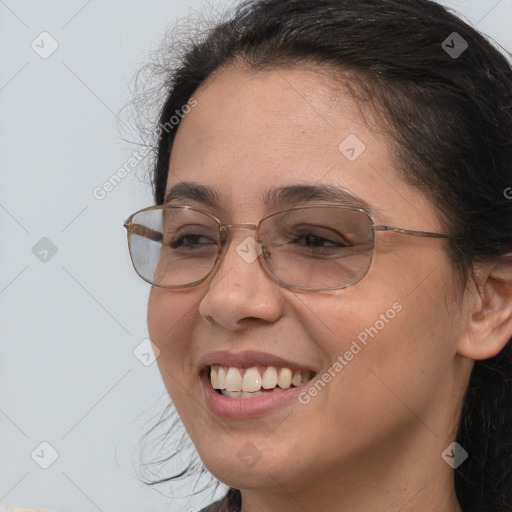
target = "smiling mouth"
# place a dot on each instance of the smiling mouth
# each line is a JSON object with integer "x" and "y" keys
{"x": 234, "y": 382}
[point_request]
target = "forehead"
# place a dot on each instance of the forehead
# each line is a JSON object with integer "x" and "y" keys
{"x": 252, "y": 131}
{"x": 274, "y": 115}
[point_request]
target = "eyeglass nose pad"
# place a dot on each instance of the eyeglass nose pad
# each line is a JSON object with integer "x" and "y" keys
{"x": 264, "y": 251}
{"x": 223, "y": 236}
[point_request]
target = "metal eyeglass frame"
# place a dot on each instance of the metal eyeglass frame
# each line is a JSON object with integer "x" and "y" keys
{"x": 224, "y": 229}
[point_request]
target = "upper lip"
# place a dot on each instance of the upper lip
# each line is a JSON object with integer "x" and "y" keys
{"x": 249, "y": 358}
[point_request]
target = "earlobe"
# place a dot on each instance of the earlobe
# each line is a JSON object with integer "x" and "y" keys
{"x": 489, "y": 320}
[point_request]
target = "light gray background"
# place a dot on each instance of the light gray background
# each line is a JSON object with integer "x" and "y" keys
{"x": 70, "y": 325}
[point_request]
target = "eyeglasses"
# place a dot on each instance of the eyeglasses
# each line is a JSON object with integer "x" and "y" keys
{"x": 311, "y": 248}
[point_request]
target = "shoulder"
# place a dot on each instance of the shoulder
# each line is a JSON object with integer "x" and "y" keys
{"x": 230, "y": 503}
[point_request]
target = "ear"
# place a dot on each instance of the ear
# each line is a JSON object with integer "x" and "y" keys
{"x": 489, "y": 326}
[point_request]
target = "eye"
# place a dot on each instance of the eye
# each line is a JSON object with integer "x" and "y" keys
{"x": 317, "y": 237}
{"x": 190, "y": 237}
{"x": 189, "y": 241}
{"x": 311, "y": 240}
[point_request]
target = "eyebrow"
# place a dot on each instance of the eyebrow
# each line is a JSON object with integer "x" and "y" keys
{"x": 273, "y": 197}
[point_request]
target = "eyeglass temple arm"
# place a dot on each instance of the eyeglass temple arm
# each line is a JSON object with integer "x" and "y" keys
{"x": 140, "y": 230}
{"x": 414, "y": 233}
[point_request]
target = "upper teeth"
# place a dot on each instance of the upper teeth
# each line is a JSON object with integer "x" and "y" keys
{"x": 250, "y": 379}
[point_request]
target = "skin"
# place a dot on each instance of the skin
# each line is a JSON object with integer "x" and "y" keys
{"x": 373, "y": 438}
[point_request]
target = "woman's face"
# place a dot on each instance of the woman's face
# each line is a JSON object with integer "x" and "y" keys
{"x": 395, "y": 389}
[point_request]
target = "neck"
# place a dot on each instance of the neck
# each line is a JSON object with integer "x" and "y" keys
{"x": 416, "y": 480}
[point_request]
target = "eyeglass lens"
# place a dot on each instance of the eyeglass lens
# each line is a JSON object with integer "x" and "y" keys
{"x": 310, "y": 247}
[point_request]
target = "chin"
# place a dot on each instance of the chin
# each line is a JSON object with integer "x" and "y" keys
{"x": 261, "y": 476}
{"x": 241, "y": 465}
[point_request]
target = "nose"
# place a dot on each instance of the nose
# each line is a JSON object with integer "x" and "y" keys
{"x": 240, "y": 292}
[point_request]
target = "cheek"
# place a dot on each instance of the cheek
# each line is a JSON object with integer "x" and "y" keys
{"x": 383, "y": 342}
{"x": 171, "y": 321}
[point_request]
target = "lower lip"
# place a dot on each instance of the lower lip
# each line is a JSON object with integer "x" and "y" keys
{"x": 242, "y": 408}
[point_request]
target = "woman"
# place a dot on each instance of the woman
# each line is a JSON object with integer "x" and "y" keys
{"x": 330, "y": 257}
